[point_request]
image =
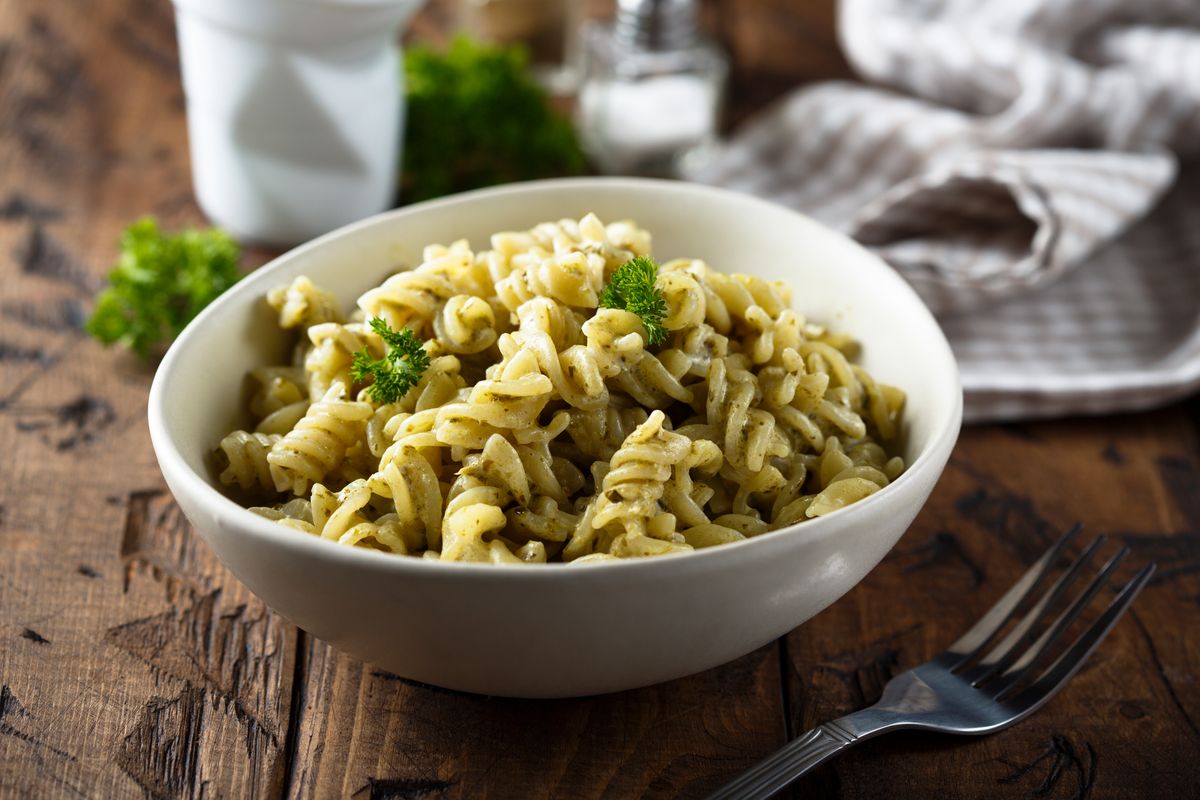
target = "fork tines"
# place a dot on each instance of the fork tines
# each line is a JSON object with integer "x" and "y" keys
{"x": 1013, "y": 663}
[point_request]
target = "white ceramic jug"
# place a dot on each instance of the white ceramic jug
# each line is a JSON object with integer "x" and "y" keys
{"x": 295, "y": 111}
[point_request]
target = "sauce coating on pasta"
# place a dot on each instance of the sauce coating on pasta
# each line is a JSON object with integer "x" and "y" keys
{"x": 548, "y": 429}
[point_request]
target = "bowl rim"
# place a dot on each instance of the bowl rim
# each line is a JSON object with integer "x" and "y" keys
{"x": 230, "y": 514}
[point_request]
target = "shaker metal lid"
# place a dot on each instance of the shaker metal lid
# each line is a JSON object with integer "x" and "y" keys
{"x": 656, "y": 24}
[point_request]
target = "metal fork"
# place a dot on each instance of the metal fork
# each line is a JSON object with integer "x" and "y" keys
{"x": 971, "y": 688}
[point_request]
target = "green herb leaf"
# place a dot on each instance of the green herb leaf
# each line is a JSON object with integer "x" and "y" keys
{"x": 633, "y": 288}
{"x": 399, "y": 370}
{"x": 160, "y": 283}
{"x": 477, "y": 118}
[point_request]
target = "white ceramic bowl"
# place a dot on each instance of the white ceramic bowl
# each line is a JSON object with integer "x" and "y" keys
{"x": 559, "y": 630}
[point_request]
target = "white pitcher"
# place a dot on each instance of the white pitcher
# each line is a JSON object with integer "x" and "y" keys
{"x": 295, "y": 111}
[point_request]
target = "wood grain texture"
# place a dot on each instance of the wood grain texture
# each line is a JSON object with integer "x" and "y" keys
{"x": 367, "y": 733}
{"x": 133, "y": 665}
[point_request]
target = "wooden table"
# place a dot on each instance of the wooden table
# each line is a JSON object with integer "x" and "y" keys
{"x": 132, "y": 664}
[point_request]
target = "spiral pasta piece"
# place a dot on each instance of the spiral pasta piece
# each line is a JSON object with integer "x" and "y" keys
{"x": 573, "y": 279}
{"x": 319, "y": 441}
{"x": 339, "y": 516}
{"x": 276, "y": 387}
{"x": 302, "y": 304}
{"x": 630, "y": 494}
{"x": 331, "y": 355}
{"x": 487, "y": 483}
{"x": 411, "y": 299}
{"x": 245, "y": 458}
{"x": 410, "y": 482}
{"x": 465, "y": 324}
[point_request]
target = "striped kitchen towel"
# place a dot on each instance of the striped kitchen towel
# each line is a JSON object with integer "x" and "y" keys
{"x": 1023, "y": 164}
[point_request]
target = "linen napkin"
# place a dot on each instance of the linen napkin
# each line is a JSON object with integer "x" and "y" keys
{"x": 1019, "y": 162}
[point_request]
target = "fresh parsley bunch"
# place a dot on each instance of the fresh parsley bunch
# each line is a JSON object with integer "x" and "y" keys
{"x": 160, "y": 283}
{"x": 399, "y": 370}
{"x": 633, "y": 287}
{"x": 476, "y": 118}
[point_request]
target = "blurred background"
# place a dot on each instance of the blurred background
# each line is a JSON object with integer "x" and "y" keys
{"x": 763, "y": 49}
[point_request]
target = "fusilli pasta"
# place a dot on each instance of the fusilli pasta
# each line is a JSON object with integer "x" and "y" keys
{"x": 548, "y": 429}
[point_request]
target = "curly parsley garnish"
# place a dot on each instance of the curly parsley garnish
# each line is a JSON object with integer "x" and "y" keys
{"x": 160, "y": 283}
{"x": 476, "y": 117}
{"x": 632, "y": 288}
{"x": 399, "y": 370}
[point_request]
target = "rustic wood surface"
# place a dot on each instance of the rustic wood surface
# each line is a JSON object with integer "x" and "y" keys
{"x": 133, "y": 665}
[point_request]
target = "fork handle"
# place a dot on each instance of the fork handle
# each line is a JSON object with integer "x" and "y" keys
{"x": 797, "y": 757}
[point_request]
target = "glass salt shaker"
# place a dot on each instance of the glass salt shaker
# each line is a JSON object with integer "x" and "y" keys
{"x": 651, "y": 89}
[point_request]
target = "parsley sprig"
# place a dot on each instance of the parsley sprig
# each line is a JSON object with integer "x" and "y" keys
{"x": 399, "y": 370}
{"x": 160, "y": 282}
{"x": 633, "y": 288}
{"x": 477, "y": 117}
